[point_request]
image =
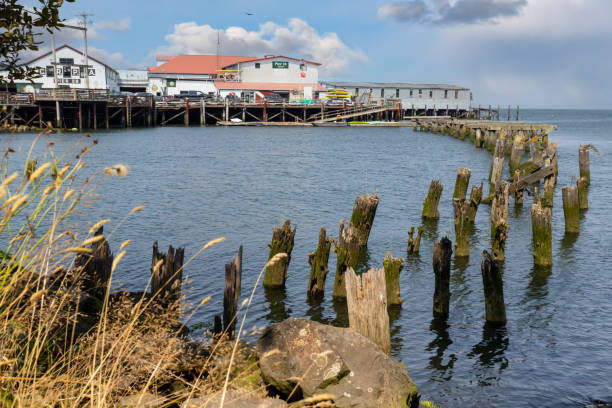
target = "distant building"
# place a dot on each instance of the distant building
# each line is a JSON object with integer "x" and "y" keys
{"x": 420, "y": 96}
{"x": 72, "y": 72}
{"x": 292, "y": 78}
{"x": 133, "y": 80}
{"x": 188, "y": 73}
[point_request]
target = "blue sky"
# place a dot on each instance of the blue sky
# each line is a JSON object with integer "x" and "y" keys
{"x": 536, "y": 53}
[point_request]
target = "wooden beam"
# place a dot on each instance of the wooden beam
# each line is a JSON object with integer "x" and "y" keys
{"x": 532, "y": 178}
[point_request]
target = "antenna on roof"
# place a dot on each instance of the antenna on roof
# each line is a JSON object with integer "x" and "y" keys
{"x": 218, "y": 49}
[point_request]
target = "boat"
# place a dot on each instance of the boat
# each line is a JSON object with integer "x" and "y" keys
{"x": 330, "y": 124}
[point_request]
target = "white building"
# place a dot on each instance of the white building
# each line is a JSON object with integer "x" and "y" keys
{"x": 133, "y": 80}
{"x": 419, "y": 96}
{"x": 72, "y": 72}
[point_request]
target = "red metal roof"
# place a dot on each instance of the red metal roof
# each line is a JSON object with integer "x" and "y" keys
{"x": 269, "y": 57}
{"x": 196, "y": 64}
{"x": 267, "y": 86}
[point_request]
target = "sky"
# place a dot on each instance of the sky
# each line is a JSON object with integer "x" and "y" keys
{"x": 532, "y": 53}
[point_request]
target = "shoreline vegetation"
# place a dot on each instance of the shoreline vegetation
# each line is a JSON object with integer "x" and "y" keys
{"x": 68, "y": 341}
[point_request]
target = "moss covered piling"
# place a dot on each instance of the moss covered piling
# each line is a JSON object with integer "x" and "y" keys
{"x": 430, "y": 206}
{"x": 282, "y": 242}
{"x": 541, "y": 227}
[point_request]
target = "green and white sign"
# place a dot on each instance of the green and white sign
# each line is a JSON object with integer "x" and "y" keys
{"x": 280, "y": 64}
{"x": 171, "y": 83}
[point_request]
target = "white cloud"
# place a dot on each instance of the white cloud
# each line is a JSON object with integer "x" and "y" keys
{"x": 297, "y": 39}
{"x": 122, "y": 24}
{"x": 115, "y": 59}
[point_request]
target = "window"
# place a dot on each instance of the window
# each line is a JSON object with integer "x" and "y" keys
{"x": 382, "y": 92}
{"x": 49, "y": 71}
{"x": 257, "y": 65}
{"x": 420, "y": 93}
{"x": 411, "y": 93}
{"x": 456, "y": 94}
{"x": 356, "y": 91}
{"x": 66, "y": 61}
{"x": 66, "y": 72}
{"x": 82, "y": 72}
{"x": 397, "y": 93}
{"x": 302, "y": 67}
{"x": 431, "y": 94}
{"x": 445, "y": 93}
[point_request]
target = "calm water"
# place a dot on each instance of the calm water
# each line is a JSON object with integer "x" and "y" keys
{"x": 202, "y": 183}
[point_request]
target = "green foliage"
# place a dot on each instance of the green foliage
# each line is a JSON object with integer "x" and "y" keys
{"x": 20, "y": 26}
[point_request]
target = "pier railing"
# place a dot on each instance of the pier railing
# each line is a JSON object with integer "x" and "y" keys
{"x": 62, "y": 94}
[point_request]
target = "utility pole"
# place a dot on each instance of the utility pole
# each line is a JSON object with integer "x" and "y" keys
{"x": 85, "y": 15}
{"x": 57, "y": 105}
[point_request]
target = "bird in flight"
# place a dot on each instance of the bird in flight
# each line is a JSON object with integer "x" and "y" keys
{"x": 248, "y": 14}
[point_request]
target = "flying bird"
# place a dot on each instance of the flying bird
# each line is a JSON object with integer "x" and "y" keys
{"x": 248, "y": 14}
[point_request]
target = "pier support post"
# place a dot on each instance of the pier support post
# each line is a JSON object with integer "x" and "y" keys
{"x": 231, "y": 295}
{"x": 80, "y": 116}
{"x": 497, "y": 165}
{"x": 583, "y": 200}
{"x": 167, "y": 275}
{"x": 202, "y": 114}
{"x": 393, "y": 267}
{"x": 95, "y": 117}
{"x": 186, "y": 116}
{"x": 475, "y": 198}
{"x": 40, "y": 116}
{"x": 265, "y": 111}
{"x": 549, "y": 187}
{"x": 462, "y": 227}
{"x": 364, "y": 211}
{"x": 541, "y": 229}
{"x": 571, "y": 209}
{"x": 367, "y": 306}
{"x": 492, "y": 280}
{"x": 106, "y": 119}
{"x": 517, "y": 113}
{"x": 499, "y": 220}
{"x": 318, "y": 262}
{"x": 461, "y": 183}
{"x": 347, "y": 253}
{"x": 584, "y": 163}
{"x": 518, "y": 147}
{"x": 442, "y": 252}
{"x": 430, "y": 206}
{"x": 478, "y": 139}
{"x": 282, "y": 241}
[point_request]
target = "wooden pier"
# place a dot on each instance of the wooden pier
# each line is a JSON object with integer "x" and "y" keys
{"x": 99, "y": 109}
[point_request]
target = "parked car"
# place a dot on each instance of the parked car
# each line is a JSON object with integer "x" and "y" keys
{"x": 192, "y": 94}
{"x": 274, "y": 98}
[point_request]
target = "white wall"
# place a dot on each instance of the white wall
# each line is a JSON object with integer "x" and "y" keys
{"x": 103, "y": 78}
{"x": 190, "y": 85}
{"x": 266, "y": 73}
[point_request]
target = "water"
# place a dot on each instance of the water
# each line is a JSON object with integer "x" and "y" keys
{"x": 239, "y": 183}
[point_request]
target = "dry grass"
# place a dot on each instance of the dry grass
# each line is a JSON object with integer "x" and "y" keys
{"x": 63, "y": 347}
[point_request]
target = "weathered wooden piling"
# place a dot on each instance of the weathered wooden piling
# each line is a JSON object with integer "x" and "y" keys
{"x": 318, "y": 266}
{"x": 393, "y": 267}
{"x": 584, "y": 163}
{"x": 549, "y": 186}
{"x": 462, "y": 227}
{"x": 282, "y": 241}
{"x": 583, "y": 199}
{"x": 367, "y": 306}
{"x": 363, "y": 215}
{"x": 430, "y": 206}
{"x": 167, "y": 275}
{"x": 492, "y": 280}
{"x": 347, "y": 253}
{"x": 417, "y": 242}
{"x": 499, "y": 220}
{"x": 475, "y": 198}
{"x": 519, "y": 192}
{"x": 478, "y": 140}
{"x": 95, "y": 268}
{"x": 497, "y": 164}
{"x": 518, "y": 147}
{"x": 231, "y": 294}
{"x": 541, "y": 228}
{"x": 571, "y": 209}
{"x": 410, "y": 240}
{"x": 441, "y": 266}
{"x": 461, "y": 183}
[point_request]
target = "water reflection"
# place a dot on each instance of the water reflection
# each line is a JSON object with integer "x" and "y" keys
{"x": 430, "y": 229}
{"x": 316, "y": 310}
{"x": 490, "y": 354}
{"x": 567, "y": 243}
{"x": 339, "y": 305}
{"x": 443, "y": 372}
{"x": 537, "y": 288}
{"x": 395, "y": 312}
{"x": 276, "y": 300}
{"x": 363, "y": 264}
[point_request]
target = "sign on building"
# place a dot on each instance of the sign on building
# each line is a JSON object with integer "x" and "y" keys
{"x": 280, "y": 64}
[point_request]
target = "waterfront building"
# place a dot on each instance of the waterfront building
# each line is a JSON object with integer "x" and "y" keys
{"x": 133, "y": 80}
{"x": 417, "y": 96}
{"x": 182, "y": 73}
{"x": 72, "y": 71}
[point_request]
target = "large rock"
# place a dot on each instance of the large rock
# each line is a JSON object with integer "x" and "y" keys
{"x": 235, "y": 399}
{"x": 325, "y": 359}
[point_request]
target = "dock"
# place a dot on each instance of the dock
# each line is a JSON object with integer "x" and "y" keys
{"x": 99, "y": 109}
